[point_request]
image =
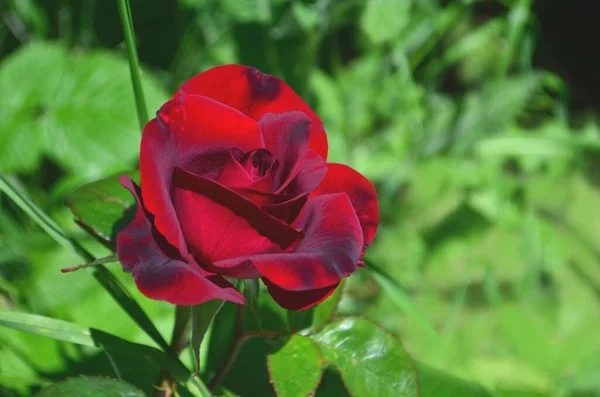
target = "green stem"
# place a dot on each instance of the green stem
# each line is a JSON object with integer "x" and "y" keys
{"x": 99, "y": 261}
{"x": 134, "y": 65}
{"x": 182, "y": 328}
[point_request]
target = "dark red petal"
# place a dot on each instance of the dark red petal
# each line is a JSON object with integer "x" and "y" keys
{"x": 233, "y": 174}
{"x": 188, "y": 129}
{"x": 287, "y": 205}
{"x": 329, "y": 250}
{"x": 286, "y": 210}
{"x": 254, "y": 94}
{"x": 286, "y": 136}
{"x": 312, "y": 171}
{"x": 218, "y": 223}
{"x": 342, "y": 179}
{"x": 299, "y": 300}
{"x": 159, "y": 271}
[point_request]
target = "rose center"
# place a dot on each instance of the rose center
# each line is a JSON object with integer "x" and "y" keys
{"x": 258, "y": 163}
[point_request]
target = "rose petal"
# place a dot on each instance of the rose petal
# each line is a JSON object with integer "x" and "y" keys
{"x": 218, "y": 223}
{"x": 343, "y": 179}
{"x": 158, "y": 269}
{"x": 254, "y": 94}
{"x": 299, "y": 300}
{"x": 233, "y": 173}
{"x": 286, "y": 136}
{"x": 192, "y": 132}
{"x": 310, "y": 174}
{"x": 329, "y": 250}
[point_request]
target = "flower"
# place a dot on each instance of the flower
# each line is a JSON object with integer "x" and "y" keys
{"x": 234, "y": 183}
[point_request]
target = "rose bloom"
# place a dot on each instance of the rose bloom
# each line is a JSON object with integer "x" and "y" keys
{"x": 235, "y": 183}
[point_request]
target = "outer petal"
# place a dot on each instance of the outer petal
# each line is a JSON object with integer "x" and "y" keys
{"x": 254, "y": 94}
{"x": 329, "y": 250}
{"x": 188, "y": 129}
{"x": 158, "y": 269}
{"x": 343, "y": 179}
{"x": 298, "y": 300}
{"x": 219, "y": 224}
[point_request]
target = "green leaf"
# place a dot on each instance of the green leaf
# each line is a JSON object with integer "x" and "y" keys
{"x": 404, "y": 302}
{"x": 295, "y": 368}
{"x": 202, "y": 316}
{"x": 73, "y": 333}
{"x": 248, "y": 10}
{"x": 370, "y": 360}
{"x": 248, "y": 376}
{"x": 76, "y": 107}
{"x": 384, "y": 20}
{"x": 48, "y": 327}
{"x": 163, "y": 360}
{"x": 101, "y": 273}
{"x": 324, "y": 311}
{"x": 306, "y": 16}
{"x": 493, "y": 108}
{"x": 435, "y": 383}
{"x": 103, "y": 207}
{"x": 252, "y": 294}
{"x": 222, "y": 335}
{"x": 527, "y": 146}
{"x": 269, "y": 316}
{"x": 91, "y": 387}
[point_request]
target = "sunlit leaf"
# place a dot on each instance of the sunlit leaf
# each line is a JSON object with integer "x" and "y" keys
{"x": 75, "y": 107}
{"x": 369, "y": 359}
{"x": 295, "y": 367}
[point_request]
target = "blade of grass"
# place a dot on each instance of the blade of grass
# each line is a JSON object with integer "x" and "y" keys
{"x": 48, "y": 327}
{"x": 100, "y": 273}
{"x": 74, "y": 333}
{"x": 134, "y": 65}
{"x": 398, "y": 296}
{"x": 518, "y": 18}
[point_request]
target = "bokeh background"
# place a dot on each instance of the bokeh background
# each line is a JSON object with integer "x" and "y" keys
{"x": 477, "y": 120}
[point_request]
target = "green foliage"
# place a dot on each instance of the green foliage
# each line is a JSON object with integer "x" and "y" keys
{"x": 486, "y": 261}
{"x": 433, "y": 383}
{"x": 202, "y": 316}
{"x": 88, "y": 387}
{"x": 101, "y": 207}
{"x": 59, "y": 100}
{"x": 296, "y": 367}
{"x": 324, "y": 312}
{"x": 51, "y": 328}
{"x": 370, "y": 361}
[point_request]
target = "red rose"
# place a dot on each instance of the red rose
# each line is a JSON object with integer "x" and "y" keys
{"x": 235, "y": 183}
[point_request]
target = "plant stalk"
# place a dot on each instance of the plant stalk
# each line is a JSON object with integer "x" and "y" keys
{"x": 134, "y": 64}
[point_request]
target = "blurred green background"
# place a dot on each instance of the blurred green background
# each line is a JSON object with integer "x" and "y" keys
{"x": 477, "y": 120}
